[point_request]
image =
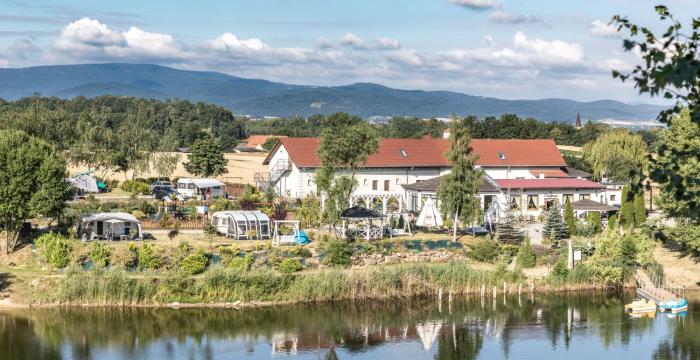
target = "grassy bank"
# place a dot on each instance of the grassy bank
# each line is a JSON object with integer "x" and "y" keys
{"x": 221, "y": 285}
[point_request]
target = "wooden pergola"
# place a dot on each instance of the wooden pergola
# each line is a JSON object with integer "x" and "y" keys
{"x": 357, "y": 215}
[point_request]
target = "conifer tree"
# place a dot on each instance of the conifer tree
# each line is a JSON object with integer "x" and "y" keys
{"x": 508, "y": 231}
{"x": 640, "y": 210}
{"x": 457, "y": 190}
{"x": 570, "y": 218}
{"x": 554, "y": 227}
{"x": 626, "y": 218}
{"x": 612, "y": 222}
{"x": 595, "y": 222}
{"x": 526, "y": 255}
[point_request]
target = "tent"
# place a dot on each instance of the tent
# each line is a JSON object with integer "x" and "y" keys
{"x": 301, "y": 238}
{"x": 85, "y": 183}
{"x": 110, "y": 226}
{"x": 430, "y": 215}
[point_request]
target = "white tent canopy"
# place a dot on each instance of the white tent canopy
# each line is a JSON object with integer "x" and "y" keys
{"x": 430, "y": 215}
{"x": 85, "y": 183}
{"x": 110, "y": 226}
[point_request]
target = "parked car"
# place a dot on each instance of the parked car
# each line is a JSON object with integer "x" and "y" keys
{"x": 162, "y": 192}
{"x": 161, "y": 183}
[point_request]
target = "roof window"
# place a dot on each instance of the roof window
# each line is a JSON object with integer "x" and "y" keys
{"x": 403, "y": 153}
{"x": 501, "y": 156}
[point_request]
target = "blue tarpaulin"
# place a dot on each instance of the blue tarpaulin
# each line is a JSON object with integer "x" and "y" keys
{"x": 302, "y": 238}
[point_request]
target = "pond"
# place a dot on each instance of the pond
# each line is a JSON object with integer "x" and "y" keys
{"x": 543, "y": 326}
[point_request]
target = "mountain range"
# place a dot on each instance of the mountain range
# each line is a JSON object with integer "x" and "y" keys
{"x": 260, "y": 98}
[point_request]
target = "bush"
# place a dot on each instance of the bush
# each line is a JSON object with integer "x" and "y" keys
{"x": 526, "y": 255}
{"x": 138, "y": 214}
{"x": 289, "y": 266}
{"x": 240, "y": 263}
{"x": 135, "y": 187}
{"x": 55, "y": 249}
{"x": 149, "y": 257}
{"x": 300, "y": 251}
{"x": 338, "y": 253}
{"x": 146, "y": 207}
{"x": 210, "y": 229}
{"x": 484, "y": 250}
{"x": 560, "y": 270}
{"x": 99, "y": 254}
{"x": 194, "y": 263}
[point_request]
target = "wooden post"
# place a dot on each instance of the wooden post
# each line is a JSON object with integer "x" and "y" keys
{"x": 505, "y": 289}
{"x": 520, "y": 288}
{"x": 483, "y": 290}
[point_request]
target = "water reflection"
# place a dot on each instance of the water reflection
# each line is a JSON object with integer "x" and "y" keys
{"x": 556, "y": 326}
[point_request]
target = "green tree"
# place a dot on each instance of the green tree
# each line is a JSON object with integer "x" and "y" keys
{"x": 554, "y": 226}
{"x": 595, "y": 222}
{"x": 640, "y": 209}
{"x": 617, "y": 155}
{"x": 457, "y": 190}
{"x": 670, "y": 68}
{"x": 270, "y": 143}
{"x": 680, "y": 140}
{"x": 612, "y": 222}
{"x": 526, "y": 255}
{"x": 570, "y": 218}
{"x": 509, "y": 231}
{"x": 626, "y": 219}
{"x": 309, "y": 212}
{"x": 206, "y": 159}
{"x": 32, "y": 182}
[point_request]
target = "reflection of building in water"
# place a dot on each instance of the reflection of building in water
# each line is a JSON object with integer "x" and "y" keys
{"x": 284, "y": 344}
{"x": 428, "y": 332}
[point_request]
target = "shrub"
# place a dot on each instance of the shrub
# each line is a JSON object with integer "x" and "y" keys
{"x": 484, "y": 250}
{"x": 289, "y": 266}
{"x": 55, "y": 248}
{"x": 138, "y": 214}
{"x": 99, "y": 254}
{"x": 612, "y": 222}
{"x": 241, "y": 263}
{"x": 210, "y": 230}
{"x": 146, "y": 207}
{"x": 300, "y": 251}
{"x": 594, "y": 222}
{"x": 526, "y": 255}
{"x": 560, "y": 270}
{"x": 338, "y": 253}
{"x": 194, "y": 263}
{"x": 135, "y": 187}
{"x": 149, "y": 257}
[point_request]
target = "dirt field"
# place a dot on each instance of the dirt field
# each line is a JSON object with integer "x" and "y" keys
{"x": 241, "y": 168}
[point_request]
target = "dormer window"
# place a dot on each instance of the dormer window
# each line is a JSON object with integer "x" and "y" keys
{"x": 403, "y": 153}
{"x": 501, "y": 156}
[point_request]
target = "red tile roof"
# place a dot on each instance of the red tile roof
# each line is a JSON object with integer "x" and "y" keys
{"x": 550, "y": 173}
{"x": 430, "y": 152}
{"x": 569, "y": 183}
{"x": 255, "y": 140}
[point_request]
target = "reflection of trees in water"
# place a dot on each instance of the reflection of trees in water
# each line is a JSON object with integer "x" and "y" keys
{"x": 685, "y": 343}
{"x": 459, "y": 343}
{"x": 18, "y": 340}
{"x": 355, "y": 327}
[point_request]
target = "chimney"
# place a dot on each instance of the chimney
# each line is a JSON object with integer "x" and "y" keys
{"x": 446, "y": 133}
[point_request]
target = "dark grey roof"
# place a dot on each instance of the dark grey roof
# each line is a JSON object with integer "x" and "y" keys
{"x": 576, "y": 173}
{"x": 358, "y": 212}
{"x": 590, "y": 205}
{"x": 431, "y": 185}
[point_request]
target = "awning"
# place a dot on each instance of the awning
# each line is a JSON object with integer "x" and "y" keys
{"x": 590, "y": 205}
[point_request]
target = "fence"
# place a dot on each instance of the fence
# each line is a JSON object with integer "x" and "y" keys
{"x": 195, "y": 224}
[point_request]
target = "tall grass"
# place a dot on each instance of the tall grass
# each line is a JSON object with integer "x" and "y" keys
{"x": 221, "y": 285}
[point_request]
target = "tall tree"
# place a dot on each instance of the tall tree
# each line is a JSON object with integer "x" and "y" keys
{"x": 554, "y": 226}
{"x": 617, "y": 156}
{"x": 345, "y": 144}
{"x": 32, "y": 182}
{"x": 677, "y": 144}
{"x": 640, "y": 209}
{"x": 508, "y": 230}
{"x": 458, "y": 189}
{"x": 626, "y": 218}
{"x": 570, "y": 218}
{"x": 206, "y": 159}
{"x": 670, "y": 67}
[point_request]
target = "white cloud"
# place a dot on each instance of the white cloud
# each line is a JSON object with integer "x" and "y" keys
{"x": 601, "y": 29}
{"x": 230, "y": 42}
{"x": 555, "y": 51}
{"x": 476, "y": 4}
{"x": 90, "y": 38}
{"x": 324, "y": 43}
{"x": 502, "y": 17}
{"x": 353, "y": 41}
{"x": 388, "y": 43}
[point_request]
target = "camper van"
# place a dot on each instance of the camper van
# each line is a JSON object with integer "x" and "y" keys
{"x": 199, "y": 188}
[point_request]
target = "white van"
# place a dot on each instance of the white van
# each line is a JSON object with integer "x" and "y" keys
{"x": 199, "y": 188}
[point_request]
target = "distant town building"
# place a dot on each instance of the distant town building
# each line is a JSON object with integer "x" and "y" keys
{"x": 578, "y": 121}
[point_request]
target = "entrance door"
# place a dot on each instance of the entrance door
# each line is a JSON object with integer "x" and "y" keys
{"x": 488, "y": 200}
{"x": 100, "y": 228}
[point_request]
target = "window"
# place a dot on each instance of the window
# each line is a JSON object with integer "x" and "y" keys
{"x": 216, "y": 187}
{"x": 532, "y": 202}
{"x": 182, "y": 186}
{"x": 375, "y": 184}
{"x": 501, "y": 156}
{"x": 488, "y": 200}
{"x": 397, "y": 181}
{"x": 612, "y": 197}
{"x": 515, "y": 202}
{"x": 386, "y": 185}
{"x": 403, "y": 153}
{"x": 568, "y": 198}
{"x": 584, "y": 196}
{"x": 364, "y": 182}
{"x": 190, "y": 186}
{"x": 308, "y": 183}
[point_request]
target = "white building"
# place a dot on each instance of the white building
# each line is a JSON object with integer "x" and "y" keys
{"x": 531, "y": 170}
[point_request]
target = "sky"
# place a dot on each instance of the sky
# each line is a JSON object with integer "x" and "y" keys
{"x": 511, "y": 49}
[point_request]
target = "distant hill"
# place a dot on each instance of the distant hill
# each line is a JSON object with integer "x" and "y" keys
{"x": 265, "y": 98}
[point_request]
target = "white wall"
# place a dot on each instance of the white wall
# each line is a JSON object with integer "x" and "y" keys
{"x": 514, "y": 173}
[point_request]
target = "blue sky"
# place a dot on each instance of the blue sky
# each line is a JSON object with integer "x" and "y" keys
{"x": 502, "y": 48}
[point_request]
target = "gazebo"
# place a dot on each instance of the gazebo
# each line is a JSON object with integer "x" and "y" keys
{"x": 585, "y": 206}
{"x": 362, "y": 219}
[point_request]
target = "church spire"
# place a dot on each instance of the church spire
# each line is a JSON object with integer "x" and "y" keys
{"x": 578, "y": 120}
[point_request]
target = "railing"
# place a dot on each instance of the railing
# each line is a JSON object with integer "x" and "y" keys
{"x": 196, "y": 224}
{"x": 656, "y": 290}
{"x": 266, "y": 179}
